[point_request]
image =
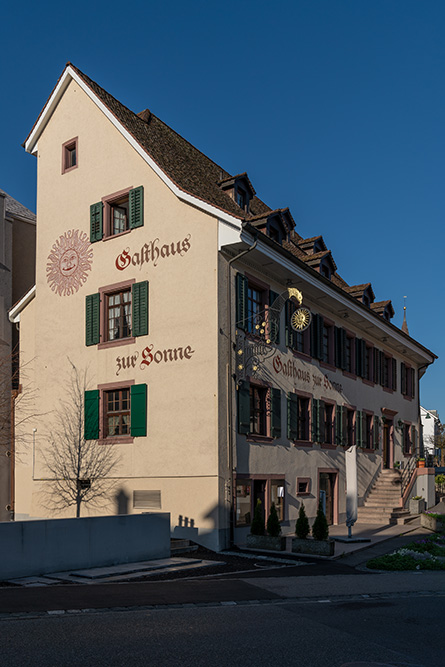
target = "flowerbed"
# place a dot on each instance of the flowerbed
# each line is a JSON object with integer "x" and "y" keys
{"x": 427, "y": 553}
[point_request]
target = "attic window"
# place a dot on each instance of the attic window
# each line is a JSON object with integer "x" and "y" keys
{"x": 366, "y": 299}
{"x": 241, "y": 198}
{"x": 325, "y": 270}
{"x": 69, "y": 155}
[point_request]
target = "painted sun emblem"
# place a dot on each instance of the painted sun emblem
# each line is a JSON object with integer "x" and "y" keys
{"x": 68, "y": 263}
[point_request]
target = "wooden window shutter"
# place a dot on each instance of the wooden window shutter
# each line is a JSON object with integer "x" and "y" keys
{"x": 315, "y": 420}
{"x": 138, "y": 405}
{"x": 376, "y": 432}
{"x": 92, "y": 319}
{"x": 337, "y": 348}
{"x": 343, "y": 343}
{"x": 376, "y": 366}
{"x": 291, "y": 335}
{"x": 382, "y": 369}
{"x": 136, "y": 207}
{"x": 321, "y": 421}
{"x": 139, "y": 300}
{"x": 275, "y": 413}
{"x": 292, "y": 416}
{"x": 91, "y": 414}
{"x": 414, "y": 438}
{"x": 96, "y": 222}
{"x": 274, "y": 326}
{"x": 244, "y": 408}
{"x": 413, "y": 382}
{"x": 241, "y": 283}
{"x": 394, "y": 374}
{"x": 339, "y": 425}
{"x": 403, "y": 378}
{"x": 317, "y": 336}
{"x": 359, "y": 428}
{"x": 358, "y": 357}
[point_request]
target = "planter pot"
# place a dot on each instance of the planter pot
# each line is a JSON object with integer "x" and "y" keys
{"x": 417, "y": 506}
{"x": 421, "y": 464}
{"x": 433, "y": 523}
{"x": 310, "y": 546}
{"x": 266, "y": 542}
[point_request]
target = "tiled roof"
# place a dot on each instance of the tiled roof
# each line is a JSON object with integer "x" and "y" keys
{"x": 13, "y": 207}
{"x": 357, "y": 290}
{"x": 185, "y": 165}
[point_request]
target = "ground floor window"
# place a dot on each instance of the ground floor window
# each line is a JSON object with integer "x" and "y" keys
{"x": 266, "y": 488}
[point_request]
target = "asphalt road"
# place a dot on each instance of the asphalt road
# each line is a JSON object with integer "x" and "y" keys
{"x": 398, "y": 631}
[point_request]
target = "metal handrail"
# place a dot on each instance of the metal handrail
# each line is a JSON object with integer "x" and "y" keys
{"x": 407, "y": 472}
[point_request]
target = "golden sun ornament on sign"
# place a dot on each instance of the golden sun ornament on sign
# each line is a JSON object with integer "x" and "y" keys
{"x": 68, "y": 263}
{"x": 301, "y": 319}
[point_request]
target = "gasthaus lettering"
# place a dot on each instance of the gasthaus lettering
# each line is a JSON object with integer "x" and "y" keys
{"x": 152, "y": 252}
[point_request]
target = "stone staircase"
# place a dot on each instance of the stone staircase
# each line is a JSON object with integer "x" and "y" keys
{"x": 383, "y": 502}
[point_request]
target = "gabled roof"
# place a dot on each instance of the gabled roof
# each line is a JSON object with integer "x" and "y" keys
{"x": 357, "y": 291}
{"x": 380, "y": 307}
{"x": 230, "y": 180}
{"x": 308, "y": 244}
{"x": 189, "y": 169}
{"x": 16, "y": 209}
{"x": 316, "y": 258}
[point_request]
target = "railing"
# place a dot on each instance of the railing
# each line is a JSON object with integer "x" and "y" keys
{"x": 407, "y": 472}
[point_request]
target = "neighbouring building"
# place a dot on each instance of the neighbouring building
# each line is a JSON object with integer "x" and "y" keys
{"x": 17, "y": 275}
{"x": 187, "y": 299}
{"x": 430, "y": 431}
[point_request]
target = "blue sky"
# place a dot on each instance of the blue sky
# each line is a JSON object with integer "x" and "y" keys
{"x": 335, "y": 108}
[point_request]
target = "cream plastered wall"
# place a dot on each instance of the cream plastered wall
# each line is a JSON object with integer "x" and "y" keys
{"x": 289, "y": 372}
{"x": 182, "y": 395}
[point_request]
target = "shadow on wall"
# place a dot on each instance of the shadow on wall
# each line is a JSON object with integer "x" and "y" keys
{"x": 122, "y": 502}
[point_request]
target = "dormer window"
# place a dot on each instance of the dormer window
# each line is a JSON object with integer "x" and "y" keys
{"x": 366, "y": 300}
{"x": 241, "y": 198}
{"x": 325, "y": 270}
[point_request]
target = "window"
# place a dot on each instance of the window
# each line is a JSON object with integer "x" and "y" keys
{"x": 116, "y": 412}
{"x": 298, "y": 417}
{"x": 241, "y": 198}
{"x": 408, "y": 380}
{"x": 277, "y": 496}
{"x": 252, "y": 297}
{"x": 303, "y": 486}
{"x": 325, "y": 270}
{"x": 116, "y": 314}
{"x": 69, "y": 155}
{"x": 406, "y": 439}
{"x": 368, "y": 369}
{"x": 118, "y": 307}
{"x": 259, "y": 410}
{"x": 299, "y": 341}
{"x": 322, "y": 340}
{"x": 117, "y": 214}
{"x": 243, "y": 502}
{"x": 254, "y": 308}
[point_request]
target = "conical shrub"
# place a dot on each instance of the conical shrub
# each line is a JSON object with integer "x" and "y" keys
{"x": 320, "y": 528}
{"x": 302, "y": 529}
{"x": 257, "y": 527}
{"x": 273, "y": 522}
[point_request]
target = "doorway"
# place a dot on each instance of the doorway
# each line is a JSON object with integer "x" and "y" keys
{"x": 327, "y": 488}
{"x": 386, "y": 445}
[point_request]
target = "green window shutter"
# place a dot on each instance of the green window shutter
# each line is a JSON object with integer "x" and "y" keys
{"x": 413, "y": 381}
{"x": 292, "y": 416}
{"x": 138, "y": 405}
{"x": 339, "y": 425}
{"x": 376, "y": 432}
{"x": 414, "y": 439}
{"x": 321, "y": 421}
{"x": 92, "y": 319}
{"x": 382, "y": 363}
{"x": 403, "y": 378}
{"x": 244, "y": 408}
{"x": 96, "y": 222}
{"x": 291, "y": 335}
{"x": 315, "y": 420}
{"x": 91, "y": 414}
{"x": 241, "y": 283}
{"x": 275, "y": 415}
{"x": 394, "y": 374}
{"x": 317, "y": 336}
{"x": 274, "y": 326}
{"x": 376, "y": 366}
{"x": 139, "y": 300}
{"x": 359, "y": 428}
{"x": 136, "y": 207}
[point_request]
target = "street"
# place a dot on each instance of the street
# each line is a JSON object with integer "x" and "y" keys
{"x": 398, "y": 630}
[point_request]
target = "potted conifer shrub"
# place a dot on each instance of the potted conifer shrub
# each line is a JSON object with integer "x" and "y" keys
{"x": 258, "y": 538}
{"x": 320, "y": 545}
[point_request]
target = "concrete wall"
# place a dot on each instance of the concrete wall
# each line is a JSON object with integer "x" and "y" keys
{"x": 38, "y": 547}
{"x": 425, "y": 486}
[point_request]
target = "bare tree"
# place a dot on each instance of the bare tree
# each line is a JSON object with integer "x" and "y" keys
{"x": 80, "y": 468}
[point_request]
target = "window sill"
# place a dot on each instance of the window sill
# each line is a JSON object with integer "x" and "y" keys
{"x": 305, "y": 494}
{"x": 370, "y": 383}
{"x": 327, "y": 365}
{"x": 326, "y": 445}
{"x": 259, "y": 438}
{"x": 407, "y": 398}
{"x": 116, "y": 343}
{"x": 348, "y": 374}
{"x": 117, "y": 440}
{"x": 300, "y": 355}
{"x": 388, "y": 391}
{"x": 116, "y": 236}
{"x": 302, "y": 443}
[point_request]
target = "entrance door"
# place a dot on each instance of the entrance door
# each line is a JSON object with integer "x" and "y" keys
{"x": 327, "y": 485}
{"x": 259, "y": 491}
{"x": 386, "y": 447}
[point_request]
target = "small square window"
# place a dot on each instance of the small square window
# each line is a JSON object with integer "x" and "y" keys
{"x": 69, "y": 155}
{"x": 303, "y": 486}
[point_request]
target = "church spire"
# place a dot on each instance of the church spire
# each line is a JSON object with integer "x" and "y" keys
{"x": 404, "y": 325}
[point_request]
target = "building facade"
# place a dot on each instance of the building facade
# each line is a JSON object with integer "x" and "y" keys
{"x": 17, "y": 275}
{"x": 227, "y": 359}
